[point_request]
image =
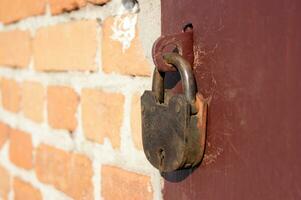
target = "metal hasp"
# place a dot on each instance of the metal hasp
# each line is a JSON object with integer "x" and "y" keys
{"x": 173, "y": 125}
{"x": 181, "y": 43}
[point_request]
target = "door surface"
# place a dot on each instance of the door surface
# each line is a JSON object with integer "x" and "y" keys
{"x": 248, "y": 66}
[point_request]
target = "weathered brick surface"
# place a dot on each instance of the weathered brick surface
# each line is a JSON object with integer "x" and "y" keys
{"x": 37, "y": 55}
{"x": 120, "y": 184}
{"x": 136, "y": 121}
{"x": 14, "y": 10}
{"x": 99, "y": 2}
{"x": 60, "y": 6}
{"x": 62, "y": 105}
{"x": 15, "y": 48}
{"x": 11, "y": 95}
{"x": 131, "y": 61}
{"x": 4, "y": 133}
{"x": 20, "y": 149}
{"x": 70, "y": 46}
{"x": 69, "y": 172}
{"x": 4, "y": 183}
{"x": 23, "y": 190}
{"x": 33, "y": 98}
{"x": 102, "y": 114}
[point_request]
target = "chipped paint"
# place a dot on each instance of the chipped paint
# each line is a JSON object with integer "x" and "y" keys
{"x": 124, "y": 30}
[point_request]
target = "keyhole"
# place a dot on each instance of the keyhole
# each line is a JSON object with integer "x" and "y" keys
{"x": 161, "y": 155}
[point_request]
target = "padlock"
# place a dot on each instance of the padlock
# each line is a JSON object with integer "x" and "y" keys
{"x": 173, "y": 125}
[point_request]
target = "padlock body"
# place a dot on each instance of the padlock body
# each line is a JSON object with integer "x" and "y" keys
{"x": 164, "y": 129}
{"x": 172, "y": 138}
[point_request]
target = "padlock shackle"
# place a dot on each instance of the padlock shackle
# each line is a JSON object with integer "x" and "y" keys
{"x": 187, "y": 78}
{"x": 158, "y": 85}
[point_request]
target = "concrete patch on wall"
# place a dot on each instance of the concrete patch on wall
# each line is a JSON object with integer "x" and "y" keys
{"x": 124, "y": 29}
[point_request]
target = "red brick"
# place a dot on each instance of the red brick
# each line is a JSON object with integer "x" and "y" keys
{"x": 15, "y": 48}
{"x": 4, "y": 133}
{"x": 60, "y": 6}
{"x": 70, "y": 46}
{"x": 33, "y": 107}
{"x": 120, "y": 184}
{"x": 11, "y": 95}
{"x": 14, "y": 10}
{"x": 102, "y": 115}
{"x": 136, "y": 122}
{"x": 20, "y": 149}
{"x": 4, "y": 183}
{"x": 131, "y": 61}
{"x": 68, "y": 172}
{"x": 99, "y": 2}
{"x": 62, "y": 106}
{"x": 23, "y": 190}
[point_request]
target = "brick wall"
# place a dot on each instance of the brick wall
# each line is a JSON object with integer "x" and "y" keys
{"x": 71, "y": 75}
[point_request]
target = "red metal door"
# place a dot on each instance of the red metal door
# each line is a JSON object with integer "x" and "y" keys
{"x": 248, "y": 64}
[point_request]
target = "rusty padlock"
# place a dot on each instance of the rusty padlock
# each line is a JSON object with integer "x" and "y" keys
{"x": 173, "y": 126}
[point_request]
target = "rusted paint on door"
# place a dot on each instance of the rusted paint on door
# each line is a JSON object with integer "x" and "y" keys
{"x": 248, "y": 65}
